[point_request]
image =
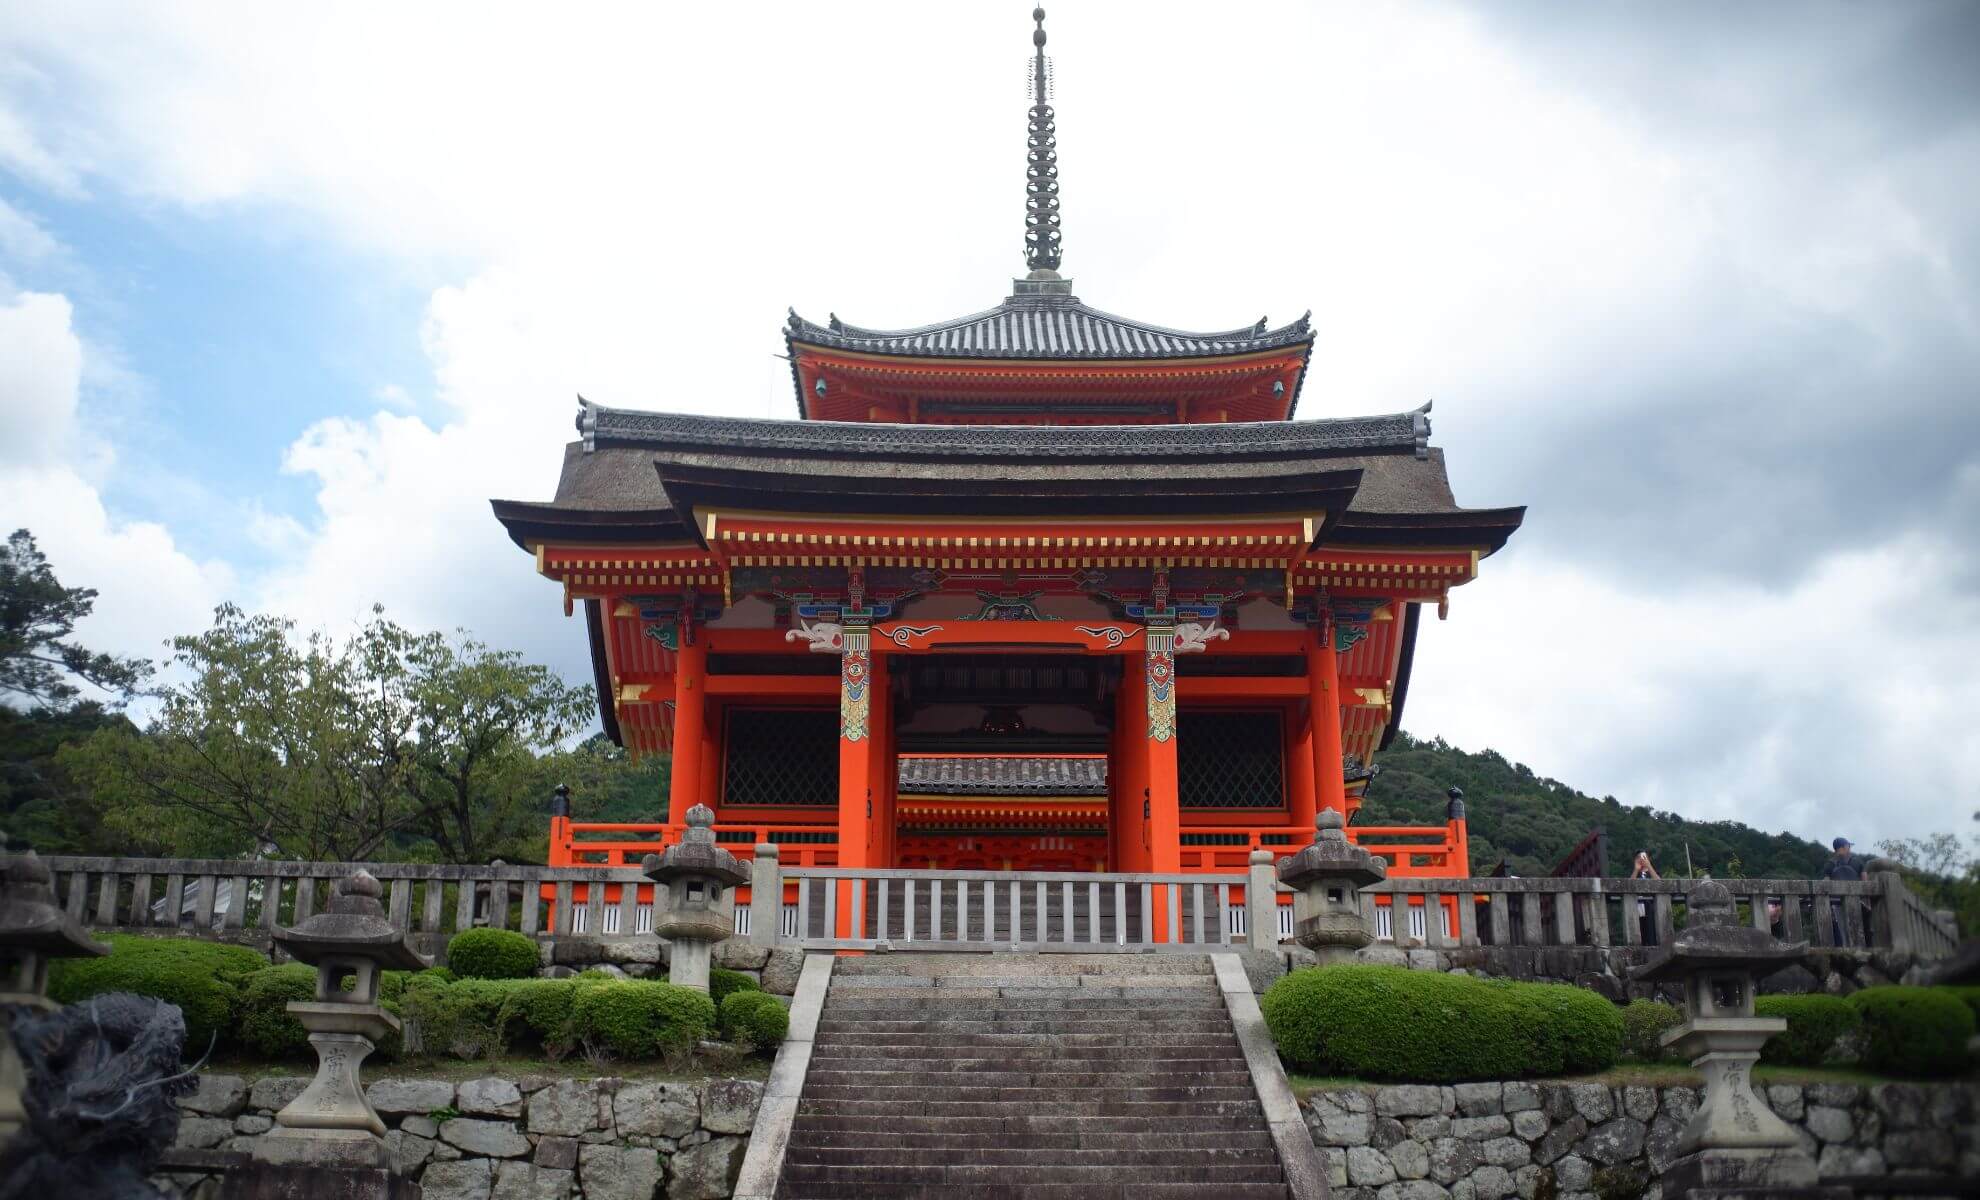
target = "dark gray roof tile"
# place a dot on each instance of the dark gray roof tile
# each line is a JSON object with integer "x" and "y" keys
{"x": 1045, "y": 327}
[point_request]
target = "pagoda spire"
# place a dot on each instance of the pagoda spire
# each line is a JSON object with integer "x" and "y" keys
{"x": 1041, "y": 186}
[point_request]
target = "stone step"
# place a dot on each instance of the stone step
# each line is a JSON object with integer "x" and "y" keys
{"x": 1148, "y": 1155}
{"x": 1099, "y": 998}
{"x": 1004, "y": 1124}
{"x": 1138, "y": 1102}
{"x": 1044, "y": 1191}
{"x": 945, "y": 1175}
{"x": 1001, "y": 1043}
{"x": 1029, "y": 966}
{"x": 1163, "y": 1138}
{"x": 1150, "y": 1030}
{"x": 1040, "y": 983}
{"x": 961, "y": 1084}
{"x": 1077, "y": 1058}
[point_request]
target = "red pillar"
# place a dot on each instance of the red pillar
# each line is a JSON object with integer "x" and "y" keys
{"x": 1323, "y": 677}
{"x": 1301, "y": 798}
{"x": 855, "y": 765}
{"x": 690, "y": 721}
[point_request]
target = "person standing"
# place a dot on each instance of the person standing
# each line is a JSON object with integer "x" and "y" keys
{"x": 1642, "y": 869}
{"x": 1844, "y": 866}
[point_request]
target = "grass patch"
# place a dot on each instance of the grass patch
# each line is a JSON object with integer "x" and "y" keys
{"x": 1632, "y": 1075}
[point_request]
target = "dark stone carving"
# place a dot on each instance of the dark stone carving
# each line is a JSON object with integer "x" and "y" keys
{"x": 102, "y": 1098}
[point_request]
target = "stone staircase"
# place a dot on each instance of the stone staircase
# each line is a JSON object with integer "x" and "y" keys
{"x": 1042, "y": 1075}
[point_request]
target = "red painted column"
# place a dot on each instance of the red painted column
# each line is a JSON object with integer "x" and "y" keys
{"x": 1162, "y": 808}
{"x": 1323, "y": 676}
{"x": 1301, "y": 798}
{"x": 690, "y": 720}
{"x": 855, "y": 765}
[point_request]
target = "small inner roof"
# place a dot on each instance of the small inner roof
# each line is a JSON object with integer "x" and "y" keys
{"x": 1046, "y": 327}
{"x": 1014, "y": 775}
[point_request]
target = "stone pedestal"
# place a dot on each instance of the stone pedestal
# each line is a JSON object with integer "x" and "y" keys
{"x": 694, "y": 898}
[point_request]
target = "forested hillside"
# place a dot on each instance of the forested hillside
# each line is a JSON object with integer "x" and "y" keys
{"x": 1533, "y": 821}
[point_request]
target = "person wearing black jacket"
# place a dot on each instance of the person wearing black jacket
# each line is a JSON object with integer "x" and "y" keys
{"x": 1846, "y": 867}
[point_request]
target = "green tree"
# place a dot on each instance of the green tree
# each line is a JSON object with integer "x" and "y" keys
{"x": 385, "y": 744}
{"x": 38, "y": 656}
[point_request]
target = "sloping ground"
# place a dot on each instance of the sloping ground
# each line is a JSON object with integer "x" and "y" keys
{"x": 1034, "y": 1075}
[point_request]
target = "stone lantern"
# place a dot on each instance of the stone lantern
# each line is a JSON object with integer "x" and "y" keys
{"x": 694, "y": 898}
{"x": 1329, "y": 876}
{"x": 1734, "y": 1142}
{"x": 331, "y": 1124}
{"x": 33, "y": 930}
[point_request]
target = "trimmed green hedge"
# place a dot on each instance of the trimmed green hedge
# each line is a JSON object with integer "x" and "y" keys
{"x": 202, "y": 978}
{"x": 722, "y": 981}
{"x": 1814, "y": 1024}
{"x": 1394, "y": 1023}
{"x": 640, "y": 1018}
{"x": 1967, "y": 994}
{"x": 265, "y": 1026}
{"x": 1644, "y": 1022}
{"x": 756, "y": 1017}
{"x": 1913, "y": 1030}
{"x": 492, "y": 954}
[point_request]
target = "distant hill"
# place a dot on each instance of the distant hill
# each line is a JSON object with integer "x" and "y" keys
{"x": 1533, "y": 821}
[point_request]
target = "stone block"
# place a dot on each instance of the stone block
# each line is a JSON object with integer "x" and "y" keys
{"x": 657, "y": 1109}
{"x": 1660, "y": 1141}
{"x": 1382, "y": 956}
{"x": 1452, "y": 1160}
{"x": 1593, "y": 1102}
{"x": 273, "y": 1094}
{"x": 1479, "y": 1099}
{"x": 398, "y": 1097}
{"x": 1785, "y": 1100}
{"x": 421, "y": 1126}
{"x": 1492, "y": 1183}
{"x": 253, "y": 1123}
{"x": 780, "y": 971}
{"x": 1831, "y": 1125}
{"x": 1412, "y": 1189}
{"x": 1335, "y": 1163}
{"x": 1368, "y": 1166}
{"x": 1559, "y": 1140}
{"x": 1530, "y": 1125}
{"x": 1921, "y": 1148}
{"x": 527, "y": 1181}
{"x": 567, "y": 1108}
{"x": 203, "y": 1133}
{"x": 1902, "y": 1105}
{"x": 729, "y": 1105}
{"x": 468, "y": 1179}
{"x": 1640, "y": 1102}
{"x": 618, "y": 1172}
{"x": 1614, "y": 1142}
{"x": 1386, "y": 1133}
{"x": 1681, "y": 1103}
{"x": 1835, "y": 1095}
{"x": 217, "y": 1096}
{"x": 707, "y": 1171}
{"x": 1480, "y": 1129}
{"x": 1410, "y": 1159}
{"x": 1506, "y": 1152}
{"x": 490, "y": 1097}
{"x": 1574, "y": 1174}
{"x": 408, "y": 1150}
{"x": 1409, "y": 1100}
{"x": 1850, "y": 1160}
{"x": 741, "y": 954}
{"x": 1262, "y": 968}
{"x": 560, "y": 1153}
{"x": 1423, "y": 1129}
{"x": 490, "y": 1139}
{"x": 1520, "y": 1097}
{"x": 1343, "y": 1129}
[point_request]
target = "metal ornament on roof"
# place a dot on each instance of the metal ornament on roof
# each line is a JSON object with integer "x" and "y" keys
{"x": 1041, "y": 175}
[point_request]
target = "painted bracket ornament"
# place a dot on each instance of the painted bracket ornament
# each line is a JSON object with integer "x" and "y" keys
{"x": 1193, "y": 637}
{"x": 1112, "y": 635}
{"x": 905, "y": 636}
{"x": 823, "y": 637}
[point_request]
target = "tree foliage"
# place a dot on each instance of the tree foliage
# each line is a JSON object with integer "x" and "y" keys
{"x": 39, "y": 658}
{"x": 373, "y": 746}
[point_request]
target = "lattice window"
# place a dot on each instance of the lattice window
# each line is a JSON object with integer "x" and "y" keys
{"x": 782, "y": 756}
{"x": 1230, "y": 759}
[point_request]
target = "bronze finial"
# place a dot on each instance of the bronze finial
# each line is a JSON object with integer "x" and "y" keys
{"x": 1041, "y": 204}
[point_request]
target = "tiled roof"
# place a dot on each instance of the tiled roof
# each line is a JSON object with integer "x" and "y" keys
{"x": 1003, "y": 776}
{"x": 1045, "y": 327}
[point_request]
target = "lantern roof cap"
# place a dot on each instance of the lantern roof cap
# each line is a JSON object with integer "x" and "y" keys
{"x": 1332, "y": 857}
{"x": 696, "y": 854}
{"x": 352, "y": 925}
{"x": 1714, "y": 939}
{"x": 30, "y": 918}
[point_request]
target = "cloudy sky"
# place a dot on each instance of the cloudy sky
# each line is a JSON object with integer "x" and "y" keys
{"x": 287, "y": 292}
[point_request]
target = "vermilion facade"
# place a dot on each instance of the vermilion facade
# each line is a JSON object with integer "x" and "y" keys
{"x": 1036, "y": 588}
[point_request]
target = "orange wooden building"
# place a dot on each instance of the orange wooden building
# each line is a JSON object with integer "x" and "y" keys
{"x": 1040, "y": 587}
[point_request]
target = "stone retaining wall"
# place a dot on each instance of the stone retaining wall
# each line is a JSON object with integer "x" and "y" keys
{"x": 646, "y": 958}
{"x": 1489, "y": 1141}
{"x": 522, "y": 1138}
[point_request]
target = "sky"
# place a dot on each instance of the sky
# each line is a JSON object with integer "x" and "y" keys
{"x": 287, "y": 293}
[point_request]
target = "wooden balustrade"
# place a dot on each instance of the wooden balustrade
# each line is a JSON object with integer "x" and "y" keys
{"x": 948, "y": 910}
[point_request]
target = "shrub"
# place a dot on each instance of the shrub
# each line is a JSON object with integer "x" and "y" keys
{"x": 492, "y": 954}
{"x": 201, "y": 978}
{"x": 1814, "y": 1024}
{"x": 1644, "y": 1021}
{"x": 265, "y": 1026}
{"x": 722, "y": 981}
{"x": 542, "y": 1009}
{"x": 754, "y": 1016}
{"x": 1579, "y": 1027}
{"x": 1913, "y": 1030}
{"x": 639, "y": 1018}
{"x": 1967, "y": 994}
{"x": 1393, "y": 1023}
